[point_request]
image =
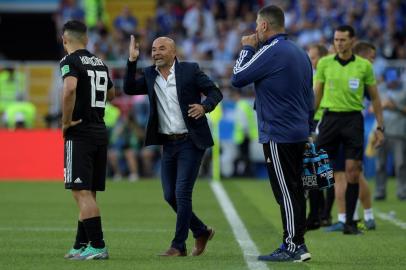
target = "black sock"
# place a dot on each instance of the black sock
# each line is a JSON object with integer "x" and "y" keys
{"x": 81, "y": 237}
{"x": 94, "y": 231}
{"x": 351, "y": 197}
{"x": 328, "y": 204}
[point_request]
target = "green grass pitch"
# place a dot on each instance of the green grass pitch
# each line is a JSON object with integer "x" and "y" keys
{"x": 37, "y": 226}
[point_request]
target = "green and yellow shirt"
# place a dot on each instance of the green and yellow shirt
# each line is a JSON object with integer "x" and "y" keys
{"x": 344, "y": 85}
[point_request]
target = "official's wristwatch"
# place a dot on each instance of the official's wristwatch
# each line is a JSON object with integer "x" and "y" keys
{"x": 382, "y": 129}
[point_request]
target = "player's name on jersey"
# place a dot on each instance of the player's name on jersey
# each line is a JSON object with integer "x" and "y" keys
{"x": 94, "y": 61}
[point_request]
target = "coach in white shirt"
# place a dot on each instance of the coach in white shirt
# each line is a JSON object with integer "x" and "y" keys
{"x": 177, "y": 121}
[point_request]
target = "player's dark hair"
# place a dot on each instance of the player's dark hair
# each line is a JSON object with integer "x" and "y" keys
{"x": 363, "y": 46}
{"x": 346, "y": 28}
{"x": 321, "y": 49}
{"x": 77, "y": 28}
{"x": 273, "y": 15}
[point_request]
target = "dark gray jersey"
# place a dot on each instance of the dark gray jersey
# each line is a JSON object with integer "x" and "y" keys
{"x": 91, "y": 94}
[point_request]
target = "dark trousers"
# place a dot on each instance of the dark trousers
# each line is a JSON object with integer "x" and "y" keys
{"x": 285, "y": 165}
{"x": 180, "y": 166}
{"x": 316, "y": 202}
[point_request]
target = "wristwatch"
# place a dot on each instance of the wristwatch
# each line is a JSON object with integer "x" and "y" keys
{"x": 382, "y": 129}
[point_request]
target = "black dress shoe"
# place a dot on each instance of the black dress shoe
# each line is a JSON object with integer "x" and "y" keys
{"x": 351, "y": 229}
{"x": 312, "y": 225}
{"x": 326, "y": 222}
{"x": 380, "y": 198}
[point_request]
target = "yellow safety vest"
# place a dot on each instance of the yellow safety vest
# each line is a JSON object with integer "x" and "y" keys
{"x": 238, "y": 134}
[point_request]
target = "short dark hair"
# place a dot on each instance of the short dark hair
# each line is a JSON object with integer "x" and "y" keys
{"x": 321, "y": 49}
{"x": 346, "y": 28}
{"x": 273, "y": 15}
{"x": 77, "y": 28}
{"x": 363, "y": 46}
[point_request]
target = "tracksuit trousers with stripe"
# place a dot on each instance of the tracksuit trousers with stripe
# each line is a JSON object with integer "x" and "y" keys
{"x": 284, "y": 163}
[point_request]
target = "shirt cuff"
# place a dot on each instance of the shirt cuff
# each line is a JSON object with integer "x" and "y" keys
{"x": 248, "y": 48}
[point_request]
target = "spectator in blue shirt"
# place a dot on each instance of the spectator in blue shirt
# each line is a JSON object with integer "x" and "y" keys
{"x": 126, "y": 22}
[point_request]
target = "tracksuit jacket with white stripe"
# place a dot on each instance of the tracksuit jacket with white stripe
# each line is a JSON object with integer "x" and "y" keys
{"x": 282, "y": 74}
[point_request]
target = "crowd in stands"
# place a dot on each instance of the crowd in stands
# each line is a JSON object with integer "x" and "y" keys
{"x": 209, "y": 31}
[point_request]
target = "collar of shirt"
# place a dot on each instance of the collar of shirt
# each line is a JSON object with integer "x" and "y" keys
{"x": 342, "y": 61}
{"x": 81, "y": 50}
{"x": 277, "y": 36}
{"x": 171, "y": 70}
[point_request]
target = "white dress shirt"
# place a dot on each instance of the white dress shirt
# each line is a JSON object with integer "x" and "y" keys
{"x": 169, "y": 113}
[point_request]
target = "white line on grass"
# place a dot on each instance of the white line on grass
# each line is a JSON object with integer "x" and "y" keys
{"x": 391, "y": 219}
{"x": 248, "y": 247}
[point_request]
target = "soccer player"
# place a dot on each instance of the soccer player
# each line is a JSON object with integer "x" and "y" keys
{"x": 282, "y": 74}
{"x": 340, "y": 83}
{"x": 86, "y": 86}
{"x": 177, "y": 121}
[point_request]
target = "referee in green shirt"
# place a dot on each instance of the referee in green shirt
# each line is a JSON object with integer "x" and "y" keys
{"x": 340, "y": 83}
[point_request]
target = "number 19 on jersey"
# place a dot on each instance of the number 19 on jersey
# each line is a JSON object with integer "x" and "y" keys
{"x": 98, "y": 81}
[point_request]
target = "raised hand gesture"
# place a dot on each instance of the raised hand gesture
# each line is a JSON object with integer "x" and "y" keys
{"x": 133, "y": 50}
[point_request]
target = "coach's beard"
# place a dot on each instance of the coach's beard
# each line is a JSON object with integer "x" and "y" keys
{"x": 159, "y": 62}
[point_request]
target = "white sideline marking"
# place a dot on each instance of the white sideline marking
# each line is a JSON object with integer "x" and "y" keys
{"x": 391, "y": 219}
{"x": 248, "y": 247}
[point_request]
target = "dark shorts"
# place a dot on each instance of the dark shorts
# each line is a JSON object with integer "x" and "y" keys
{"x": 85, "y": 165}
{"x": 342, "y": 128}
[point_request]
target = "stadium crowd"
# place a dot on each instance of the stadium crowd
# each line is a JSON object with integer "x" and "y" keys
{"x": 210, "y": 29}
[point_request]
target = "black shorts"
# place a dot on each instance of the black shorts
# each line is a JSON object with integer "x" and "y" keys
{"x": 346, "y": 128}
{"x": 85, "y": 165}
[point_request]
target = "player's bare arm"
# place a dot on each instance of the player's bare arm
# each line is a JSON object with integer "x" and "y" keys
{"x": 318, "y": 94}
{"x": 377, "y": 106}
{"x": 111, "y": 93}
{"x": 69, "y": 97}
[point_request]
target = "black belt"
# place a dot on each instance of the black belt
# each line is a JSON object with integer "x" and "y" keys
{"x": 174, "y": 137}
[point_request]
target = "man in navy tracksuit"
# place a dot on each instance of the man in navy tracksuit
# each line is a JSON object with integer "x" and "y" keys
{"x": 282, "y": 74}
